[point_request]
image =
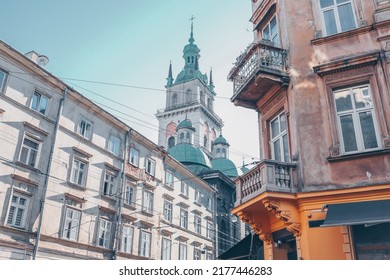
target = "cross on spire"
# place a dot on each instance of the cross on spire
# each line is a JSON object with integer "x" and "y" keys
{"x": 192, "y": 27}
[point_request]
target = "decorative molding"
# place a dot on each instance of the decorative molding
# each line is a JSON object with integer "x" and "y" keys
{"x": 274, "y": 206}
{"x": 348, "y": 73}
{"x": 334, "y": 151}
{"x": 24, "y": 180}
{"x": 295, "y": 228}
{"x": 83, "y": 153}
{"x": 36, "y": 129}
{"x": 75, "y": 198}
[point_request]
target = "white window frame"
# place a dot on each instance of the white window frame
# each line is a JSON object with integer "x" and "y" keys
{"x": 3, "y": 78}
{"x": 197, "y": 254}
{"x": 32, "y": 154}
{"x": 335, "y": 10}
{"x": 271, "y": 35}
{"x": 145, "y": 243}
{"x": 134, "y": 157}
{"x": 169, "y": 179}
{"x": 39, "y": 103}
{"x": 184, "y": 218}
{"x": 209, "y": 229}
{"x": 150, "y": 166}
{"x": 71, "y": 224}
{"x": 147, "y": 201}
{"x": 209, "y": 255}
{"x": 166, "y": 249}
{"x": 197, "y": 224}
{"x": 17, "y": 212}
{"x": 79, "y": 169}
{"x": 354, "y": 112}
{"x": 104, "y": 234}
{"x": 184, "y": 188}
{"x": 130, "y": 194}
{"x": 182, "y": 251}
{"x": 283, "y": 147}
{"x": 127, "y": 239}
{"x": 168, "y": 210}
{"x": 198, "y": 197}
{"x": 114, "y": 145}
{"x": 109, "y": 183}
{"x": 209, "y": 203}
{"x": 85, "y": 128}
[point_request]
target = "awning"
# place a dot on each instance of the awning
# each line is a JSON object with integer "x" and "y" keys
{"x": 357, "y": 213}
{"x": 243, "y": 250}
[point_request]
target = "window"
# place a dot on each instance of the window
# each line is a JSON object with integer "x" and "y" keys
{"x": 147, "y": 202}
{"x": 198, "y": 224}
{"x": 29, "y": 151}
{"x": 104, "y": 233}
{"x": 39, "y": 103}
{"x": 209, "y": 229}
{"x": 109, "y": 184}
{"x": 270, "y": 31}
{"x": 168, "y": 211}
{"x": 279, "y": 141}
{"x": 209, "y": 255}
{"x": 79, "y": 172}
{"x": 355, "y": 119}
{"x": 205, "y": 141}
{"x": 150, "y": 166}
{"x": 130, "y": 195}
{"x": 71, "y": 224}
{"x": 182, "y": 251}
{"x": 197, "y": 254}
{"x": 145, "y": 241}
{"x": 209, "y": 203}
{"x": 198, "y": 196}
{"x": 337, "y": 15}
{"x": 18, "y": 210}
{"x": 134, "y": 157}
{"x": 184, "y": 218}
{"x": 166, "y": 249}
{"x": 169, "y": 179}
{"x": 3, "y": 76}
{"x": 114, "y": 145}
{"x": 171, "y": 142}
{"x": 85, "y": 128}
{"x": 184, "y": 188}
{"x": 127, "y": 239}
{"x": 174, "y": 99}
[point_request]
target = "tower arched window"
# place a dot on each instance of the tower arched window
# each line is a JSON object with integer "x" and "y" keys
{"x": 174, "y": 99}
{"x": 205, "y": 141}
{"x": 188, "y": 96}
{"x": 188, "y": 137}
{"x": 223, "y": 152}
{"x": 171, "y": 142}
{"x": 182, "y": 137}
{"x": 209, "y": 104}
{"x": 202, "y": 97}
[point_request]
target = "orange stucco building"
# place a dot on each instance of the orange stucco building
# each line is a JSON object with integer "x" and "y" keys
{"x": 318, "y": 74}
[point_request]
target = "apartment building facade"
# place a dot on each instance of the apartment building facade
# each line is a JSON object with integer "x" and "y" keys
{"x": 318, "y": 75}
{"x": 72, "y": 185}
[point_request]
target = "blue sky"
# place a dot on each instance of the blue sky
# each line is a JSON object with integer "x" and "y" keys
{"x": 131, "y": 42}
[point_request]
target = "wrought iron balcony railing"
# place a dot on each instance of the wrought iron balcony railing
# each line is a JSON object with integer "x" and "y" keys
{"x": 262, "y": 56}
{"x": 268, "y": 175}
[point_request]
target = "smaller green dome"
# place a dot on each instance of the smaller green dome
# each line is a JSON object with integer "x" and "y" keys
{"x": 221, "y": 140}
{"x": 185, "y": 124}
{"x": 226, "y": 166}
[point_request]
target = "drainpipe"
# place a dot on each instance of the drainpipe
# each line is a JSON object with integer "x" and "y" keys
{"x": 118, "y": 230}
{"x": 42, "y": 203}
{"x": 216, "y": 237}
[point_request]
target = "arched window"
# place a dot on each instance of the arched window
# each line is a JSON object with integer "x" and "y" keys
{"x": 209, "y": 104}
{"x": 202, "y": 97}
{"x": 171, "y": 142}
{"x": 223, "y": 152}
{"x": 188, "y": 138}
{"x": 174, "y": 99}
{"x": 188, "y": 96}
{"x": 182, "y": 137}
{"x": 205, "y": 142}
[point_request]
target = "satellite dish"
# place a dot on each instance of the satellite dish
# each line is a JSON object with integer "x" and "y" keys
{"x": 42, "y": 60}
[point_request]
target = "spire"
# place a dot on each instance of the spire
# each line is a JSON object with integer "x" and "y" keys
{"x": 191, "y": 40}
{"x": 211, "y": 84}
{"x": 170, "y": 78}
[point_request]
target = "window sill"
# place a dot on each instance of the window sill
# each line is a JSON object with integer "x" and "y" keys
{"x": 22, "y": 164}
{"x": 130, "y": 206}
{"x": 197, "y": 203}
{"x": 146, "y": 213}
{"x": 183, "y": 196}
{"x": 341, "y": 35}
{"x": 359, "y": 155}
{"x": 169, "y": 187}
{"x": 71, "y": 184}
{"x": 108, "y": 197}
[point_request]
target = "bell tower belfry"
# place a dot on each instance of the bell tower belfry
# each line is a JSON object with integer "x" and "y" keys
{"x": 190, "y": 95}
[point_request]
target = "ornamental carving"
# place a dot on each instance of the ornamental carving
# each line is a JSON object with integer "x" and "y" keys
{"x": 273, "y": 206}
{"x": 334, "y": 151}
{"x": 273, "y": 103}
{"x": 294, "y": 228}
{"x": 341, "y": 74}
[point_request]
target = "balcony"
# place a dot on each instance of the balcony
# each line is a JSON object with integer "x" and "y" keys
{"x": 261, "y": 68}
{"x": 268, "y": 175}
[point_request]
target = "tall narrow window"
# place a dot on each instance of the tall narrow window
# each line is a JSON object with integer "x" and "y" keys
{"x": 114, "y": 145}
{"x": 184, "y": 188}
{"x": 39, "y": 103}
{"x": 109, "y": 184}
{"x": 147, "y": 202}
{"x": 171, "y": 142}
{"x": 150, "y": 166}
{"x": 166, "y": 249}
{"x": 174, "y": 99}
{"x": 198, "y": 224}
{"x": 71, "y": 224}
{"x": 279, "y": 140}
{"x": 79, "y": 172}
{"x": 145, "y": 242}
{"x": 104, "y": 233}
{"x": 356, "y": 120}
{"x": 270, "y": 31}
{"x": 18, "y": 210}
{"x": 134, "y": 157}
{"x": 184, "y": 218}
{"x": 168, "y": 207}
{"x": 85, "y": 128}
{"x": 130, "y": 195}
{"x": 127, "y": 239}
{"x": 3, "y": 76}
{"x": 209, "y": 229}
{"x": 182, "y": 251}
{"x": 29, "y": 151}
{"x": 337, "y": 15}
{"x": 169, "y": 179}
{"x": 197, "y": 254}
{"x": 198, "y": 196}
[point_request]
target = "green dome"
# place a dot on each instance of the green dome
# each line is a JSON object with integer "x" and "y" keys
{"x": 191, "y": 156}
{"x": 226, "y": 166}
{"x": 185, "y": 124}
{"x": 221, "y": 140}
